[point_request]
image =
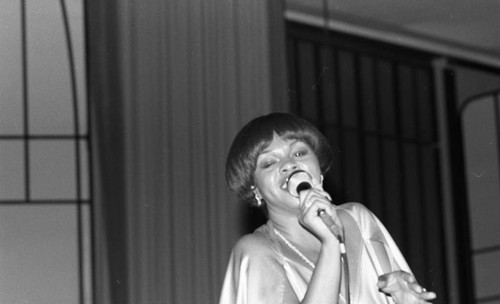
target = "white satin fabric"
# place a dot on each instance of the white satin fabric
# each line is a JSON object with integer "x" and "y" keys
{"x": 261, "y": 270}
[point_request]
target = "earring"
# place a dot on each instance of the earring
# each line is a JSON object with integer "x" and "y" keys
{"x": 258, "y": 200}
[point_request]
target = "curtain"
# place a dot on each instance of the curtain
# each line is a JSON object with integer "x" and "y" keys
{"x": 170, "y": 83}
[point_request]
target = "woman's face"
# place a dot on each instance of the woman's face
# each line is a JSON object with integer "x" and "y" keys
{"x": 276, "y": 163}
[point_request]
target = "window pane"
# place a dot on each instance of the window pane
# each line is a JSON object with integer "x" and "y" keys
{"x": 11, "y": 170}
{"x": 52, "y": 169}
{"x": 10, "y": 64}
{"x": 486, "y": 272}
{"x": 76, "y": 16}
{"x": 480, "y": 139}
{"x": 39, "y": 260}
{"x": 50, "y": 99}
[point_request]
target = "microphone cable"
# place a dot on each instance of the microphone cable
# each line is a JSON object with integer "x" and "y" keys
{"x": 343, "y": 254}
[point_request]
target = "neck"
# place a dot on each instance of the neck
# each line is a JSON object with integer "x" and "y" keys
{"x": 289, "y": 226}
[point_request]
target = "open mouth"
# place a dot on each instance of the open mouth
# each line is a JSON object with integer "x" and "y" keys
{"x": 287, "y": 180}
{"x": 293, "y": 181}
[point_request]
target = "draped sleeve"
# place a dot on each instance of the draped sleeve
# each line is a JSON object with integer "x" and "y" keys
{"x": 380, "y": 245}
{"x": 255, "y": 273}
{"x": 374, "y": 254}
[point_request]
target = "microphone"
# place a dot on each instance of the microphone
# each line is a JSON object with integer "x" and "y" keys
{"x": 301, "y": 181}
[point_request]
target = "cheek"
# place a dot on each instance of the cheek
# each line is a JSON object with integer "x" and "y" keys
{"x": 266, "y": 184}
{"x": 314, "y": 169}
{"x": 313, "y": 165}
{"x": 260, "y": 181}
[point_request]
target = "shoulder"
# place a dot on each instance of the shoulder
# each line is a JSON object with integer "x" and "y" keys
{"x": 362, "y": 215}
{"x": 258, "y": 244}
{"x": 255, "y": 273}
{"x": 355, "y": 209}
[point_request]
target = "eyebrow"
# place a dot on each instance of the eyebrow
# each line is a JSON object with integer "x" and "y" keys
{"x": 265, "y": 151}
{"x": 292, "y": 142}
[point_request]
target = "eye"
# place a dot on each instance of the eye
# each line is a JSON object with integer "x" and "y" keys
{"x": 300, "y": 153}
{"x": 267, "y": 163}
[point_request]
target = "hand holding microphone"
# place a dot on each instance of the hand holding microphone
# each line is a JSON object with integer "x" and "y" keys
{"x": 301, "y": 181}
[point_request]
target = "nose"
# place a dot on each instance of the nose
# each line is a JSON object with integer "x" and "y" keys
{"x": 289, "y": 166}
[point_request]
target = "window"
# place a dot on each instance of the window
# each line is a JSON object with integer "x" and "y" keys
{"x": 375, "y": 103}
{"x": 481, "y": 126}
{"x": 45, "y": 195}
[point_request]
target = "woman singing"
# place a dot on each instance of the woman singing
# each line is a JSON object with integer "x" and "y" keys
{"x": 310, "y": 250}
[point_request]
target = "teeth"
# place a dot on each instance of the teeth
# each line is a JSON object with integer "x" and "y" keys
{"x": 285, "y": 184}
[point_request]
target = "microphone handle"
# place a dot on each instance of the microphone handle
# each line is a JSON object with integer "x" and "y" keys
{"x": 327, "y": 219}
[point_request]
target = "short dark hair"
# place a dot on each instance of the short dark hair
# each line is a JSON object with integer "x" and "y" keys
{"x": 257, "y": 135}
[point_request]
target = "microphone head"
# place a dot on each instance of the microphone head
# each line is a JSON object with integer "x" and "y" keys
{"x": 298, "y": 181}
{"x": 303, "y": 186}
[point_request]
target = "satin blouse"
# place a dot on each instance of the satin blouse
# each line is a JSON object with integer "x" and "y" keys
{"x": 263, "y": 270}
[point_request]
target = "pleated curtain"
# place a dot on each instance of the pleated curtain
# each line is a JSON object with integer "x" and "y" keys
{"x": 170, "y": 83}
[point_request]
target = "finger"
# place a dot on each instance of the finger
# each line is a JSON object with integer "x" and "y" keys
{"x": 320, "y": 205}
{"x": 314, "y": 204}
{"x": 428, "y": 295}
{"x": 322, "y": 192}
{"x": 317, "y": 191}
{"x": 317, "y": 207}
{"x": 382, "y": 281}
{"x": 305, "y": 197}
{"x": 304, "y": 200}
{"x": 422, "y": 292}
{"x": 319, "y": 197}
{"x": 311, "y": 214}
{"x": 408, "y": 277}
{"x": 386, "y": 282}
{"x": 415, "y": 287}
{"x": 311, "y": 197}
